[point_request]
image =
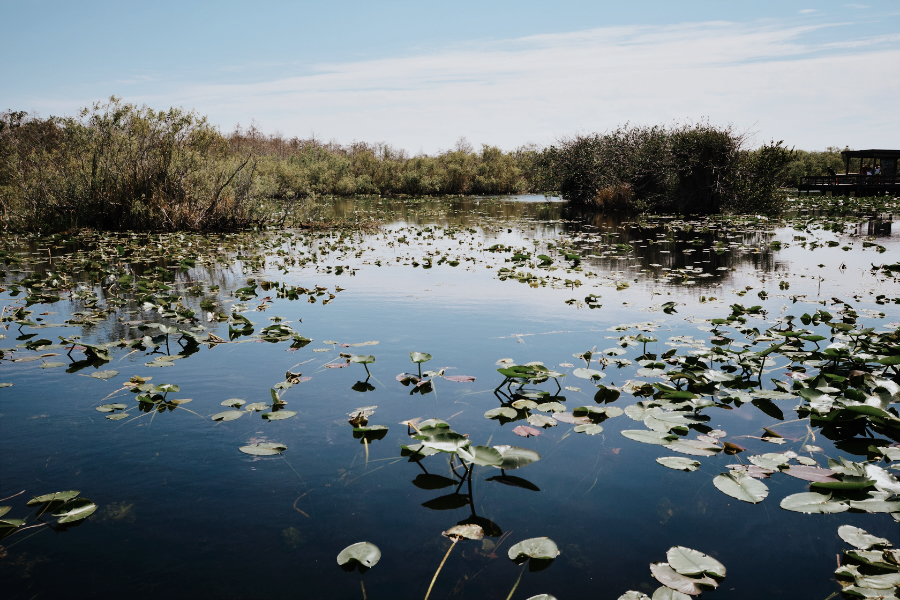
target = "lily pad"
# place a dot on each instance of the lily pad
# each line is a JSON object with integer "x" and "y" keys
{"x": 507, "y": 412}
{"x": 667, "y": 593}
{"x": 228, "y": 415}
{"x": 860, "y": 538}
{"x": 671, "y": 578}
{"x": 590, "y": 428}
{"x": 364, "y": 553}
{"x": 484, "y": 456}
{"x": 109, "y": 374}
{"x": 74, "y": 510}
{"x": 263, "y": 449}
{"x": 688, "y": 561}
{"x": 813, "y": 502}
{"x": 468, "y": 531}
{"x": 541, "y": 548}
{"x": 649, "y": 437}
{"x": 279, "y": 415}
{"x": 54, "y": 497}
{"x": 515, "y": 457}
{"x": 446, "y": 441}
{"x": 420, "y": 357}
{"x": 740, "y": 485}
{"x": 679, "y": 463}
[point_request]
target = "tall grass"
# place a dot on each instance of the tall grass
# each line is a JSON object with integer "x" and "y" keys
{"x": 119, "y": 166}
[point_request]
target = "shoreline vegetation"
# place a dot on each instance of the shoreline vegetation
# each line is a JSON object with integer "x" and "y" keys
{"x": 116, "y": 166}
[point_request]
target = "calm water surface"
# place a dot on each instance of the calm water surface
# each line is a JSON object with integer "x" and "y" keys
{"x": 184, "y": 514}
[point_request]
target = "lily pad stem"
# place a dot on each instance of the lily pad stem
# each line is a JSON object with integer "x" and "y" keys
{"x": 441, "y": 566}
{"x": 513, "y": 591}
{"x": 363, "y": 586}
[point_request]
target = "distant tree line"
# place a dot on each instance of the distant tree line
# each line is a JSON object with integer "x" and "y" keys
{"x": 119, "y": 166}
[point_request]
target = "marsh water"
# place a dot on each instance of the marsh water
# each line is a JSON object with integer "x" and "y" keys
{"x": 182, "y": 512}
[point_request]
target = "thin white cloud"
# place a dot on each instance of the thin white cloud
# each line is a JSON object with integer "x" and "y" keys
{"x": 536, "y": 88}
{"x": 807, "y": 11}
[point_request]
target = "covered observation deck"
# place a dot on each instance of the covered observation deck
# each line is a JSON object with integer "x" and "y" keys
{"x": 859, "y": 184}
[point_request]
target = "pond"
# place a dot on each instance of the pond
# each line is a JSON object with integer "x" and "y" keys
{"x": 240, "y": 408}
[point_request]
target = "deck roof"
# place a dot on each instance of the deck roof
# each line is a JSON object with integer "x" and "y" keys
{"x": 871, "y": 153}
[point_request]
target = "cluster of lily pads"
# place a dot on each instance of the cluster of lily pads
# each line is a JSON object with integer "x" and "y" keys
{"x": 66, "y": 507}
{"x": 686, "y": 573}
{"x": 537, "y": 553}
{"x": 871, "y": 569}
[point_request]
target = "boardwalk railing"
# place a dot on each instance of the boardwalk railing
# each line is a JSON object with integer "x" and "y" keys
{"x": 879, "y": 181}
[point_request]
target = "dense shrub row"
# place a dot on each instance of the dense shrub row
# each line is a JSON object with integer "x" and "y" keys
{"x": 118, "y": 166}
{"x": 697, "y": 168}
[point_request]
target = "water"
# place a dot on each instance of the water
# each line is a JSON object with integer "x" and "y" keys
{"x": 183, "y": 513}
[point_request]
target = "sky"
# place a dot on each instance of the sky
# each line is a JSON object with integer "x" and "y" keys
{"x": 420, "y": 75}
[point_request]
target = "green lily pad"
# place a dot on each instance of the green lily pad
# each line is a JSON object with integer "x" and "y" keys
{"x": 541, "y": 548}
{"x": 263, "y": 449}
{"x": 228, "y": 415}
{"x": 279, "y": 415}
{"x": 740, "y": 485}
{"x": 420, "y": 357}
{"x": 233, "y": 402}
{"x": 590, "y": 428}
{"x": 860, "y": 538}
{"x": 54, "y": 497}
{"x": 484, "y": 456}
{"x": 679, "y": 463}
{"x": 507, "y": 412}
{"x": 446, "y": 441}
{"x": 74, "y": 510}
{"x": 688, "y": 561}
{"x": 515, "y": 457}
{"x": 109, "y": 374}
{"x": 649, "y": 437}
{"x": 813, "y": 502}
{"x": 365, "y": 553}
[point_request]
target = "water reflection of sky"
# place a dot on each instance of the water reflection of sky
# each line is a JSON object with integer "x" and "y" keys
{"x": 177, "y": 498}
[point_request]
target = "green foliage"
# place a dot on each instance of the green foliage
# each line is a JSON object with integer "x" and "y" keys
{"x": 117, "y": 166}
{"x": 696, "y": 168}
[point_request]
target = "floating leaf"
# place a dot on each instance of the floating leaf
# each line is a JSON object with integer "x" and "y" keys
{"x": 633, "y": 595}
{"x": 459, "y": 378}
{"x": 446, "y": 441}
{"x": 484, "y": 456}
{"x": 507, "y": 412}
{"x": 365, "y": 359}
{"x": 54, "y": 497}
{"x": 808, "y": 473}
{"x": 233, "y": 402}
{"x": 279, "y": 415}
{"x": 693, "y": 447}
{"x": 740, "y": 485}
{"x": 515, "y": 457}
{"x": 589, "y": 429}
{"x": 688, "y": 561}
{"x": 541, "y": 421}
{"x": 667, "y": 593}
{"x": 365, "y": 553}
{"x": 591, "y": 374}
{"x": 649, "y": 437}
{"x": 74, "y": 510}
{"x": 671, "y": 578}
{"x": 813, "y": 502}
{"x": 468, "y": 531}
{"x": 526, "y": 431}
{"x": 860, "y": 538}
{"x": 679, "y": 463}
{"x": 104, "y": 374}
{"x": 228, "y": 415}
{"x": 263, "y": 449}
{"x": 541, "y": 548}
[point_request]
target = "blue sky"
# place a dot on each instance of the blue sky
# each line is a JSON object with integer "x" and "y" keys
{"x": 419, "y": 75}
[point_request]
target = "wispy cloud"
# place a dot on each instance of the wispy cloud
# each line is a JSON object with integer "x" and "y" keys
{"x": 761, "y": 76}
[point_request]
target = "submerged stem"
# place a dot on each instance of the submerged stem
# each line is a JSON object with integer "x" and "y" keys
{"x": 441, "y": 566}
{"x": 363, "y": 586}
{"x": 513, "y": 591}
